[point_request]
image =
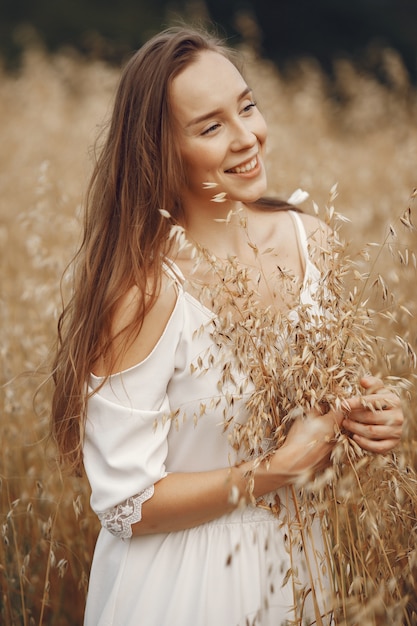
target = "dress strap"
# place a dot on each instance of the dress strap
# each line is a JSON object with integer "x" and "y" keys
{"x": 301, "y": 237}
{"x": 173, "y": 271}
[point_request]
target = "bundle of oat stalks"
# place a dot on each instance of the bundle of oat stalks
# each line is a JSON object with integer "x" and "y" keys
{"x": 313, "y": 356}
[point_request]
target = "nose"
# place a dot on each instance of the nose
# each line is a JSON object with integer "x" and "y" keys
{"x": 243, "y": 135}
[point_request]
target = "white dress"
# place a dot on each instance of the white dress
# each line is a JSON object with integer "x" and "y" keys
{"x": 228, "y": 572}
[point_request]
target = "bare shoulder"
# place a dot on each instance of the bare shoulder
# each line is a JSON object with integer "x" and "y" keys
{"x": 276, "y": 225}
{"x": 129, "y": 347}
{"x": 316, "y": 230}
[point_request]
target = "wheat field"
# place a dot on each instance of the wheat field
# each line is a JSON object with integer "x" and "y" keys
{"x": 365, "y": 140}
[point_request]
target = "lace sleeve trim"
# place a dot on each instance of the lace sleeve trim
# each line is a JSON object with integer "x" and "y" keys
{"x": 119, "y": 519}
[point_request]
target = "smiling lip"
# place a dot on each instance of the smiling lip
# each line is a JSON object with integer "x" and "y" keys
{"x": 245, "y": 168}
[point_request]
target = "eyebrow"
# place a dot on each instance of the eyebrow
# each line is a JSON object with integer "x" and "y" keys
{"x": 206, "y": 116}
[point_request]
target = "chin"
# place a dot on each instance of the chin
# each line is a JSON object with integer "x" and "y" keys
{"x": 255, "y": 195}
{"x": 251, "y": 199}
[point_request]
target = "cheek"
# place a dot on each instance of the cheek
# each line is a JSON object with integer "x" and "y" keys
{"x": 200, "y": 160}
{"x": 261, "y": 129}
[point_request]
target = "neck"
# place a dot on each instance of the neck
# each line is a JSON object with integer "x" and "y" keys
{"x": 219, "y": 227}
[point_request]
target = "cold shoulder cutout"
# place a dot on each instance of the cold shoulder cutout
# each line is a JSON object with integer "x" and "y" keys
{"x": 167, "y": 414}
{"x": 130, "y": 441}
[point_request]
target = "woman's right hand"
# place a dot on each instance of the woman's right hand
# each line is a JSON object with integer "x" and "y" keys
{"x": 306, "y": 450}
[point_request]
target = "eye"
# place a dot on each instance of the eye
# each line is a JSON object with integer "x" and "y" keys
{"x": 248, "y": 107}
{"x": 210, "y": 129}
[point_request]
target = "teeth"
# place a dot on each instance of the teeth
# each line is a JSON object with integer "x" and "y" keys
{"x": 245, "y": 168}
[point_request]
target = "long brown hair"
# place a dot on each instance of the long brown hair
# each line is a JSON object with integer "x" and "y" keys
{"x": 138, "y": 172}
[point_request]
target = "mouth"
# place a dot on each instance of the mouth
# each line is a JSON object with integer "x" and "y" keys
{"x": 244, "y": 168}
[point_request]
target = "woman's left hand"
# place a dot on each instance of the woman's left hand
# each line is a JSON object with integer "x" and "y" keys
{"x": 375, "y": 420}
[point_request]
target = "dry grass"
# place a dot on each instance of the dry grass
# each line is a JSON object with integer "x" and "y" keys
{"x": 313, "y": 357}
{"x": 49, "y": 118}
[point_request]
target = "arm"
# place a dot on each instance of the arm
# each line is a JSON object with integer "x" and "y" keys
{"x": 185, "y": 500}
{"x": 124, "y": 455}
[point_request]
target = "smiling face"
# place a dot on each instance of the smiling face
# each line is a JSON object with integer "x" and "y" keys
{"x": 220, "y": 133}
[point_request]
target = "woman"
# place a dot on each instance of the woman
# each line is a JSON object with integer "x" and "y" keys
{"x": 182, "y": 542}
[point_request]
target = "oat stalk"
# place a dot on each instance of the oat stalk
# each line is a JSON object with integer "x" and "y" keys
{"x": 298, "y": 360}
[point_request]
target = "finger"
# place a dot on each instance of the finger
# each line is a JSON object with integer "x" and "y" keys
{"x": 381, "y": 446}
{"x": 392, "y": 420}
{"x": 376, "y": 432}
{"x": 372, "y": 403}
{"x": 372, "y": 384}
{"x": 383, "y": 417}
{"x": 375, "y": 385}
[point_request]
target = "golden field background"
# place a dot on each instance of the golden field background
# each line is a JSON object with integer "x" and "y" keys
{"x": 50, "y": 115}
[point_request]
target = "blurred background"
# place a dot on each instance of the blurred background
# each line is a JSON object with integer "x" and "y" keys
{"x": 336, "y": 81}
{"x": 282, "y": 29}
